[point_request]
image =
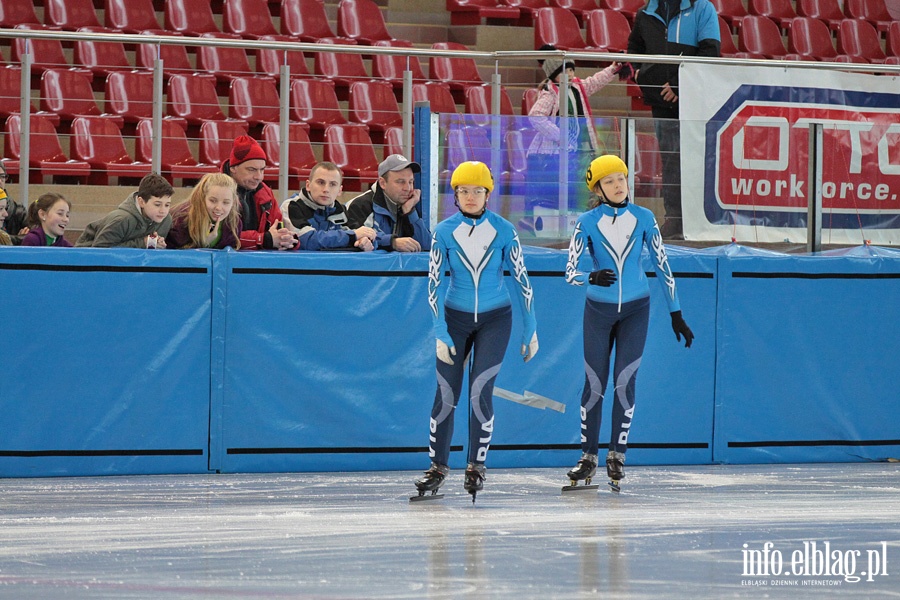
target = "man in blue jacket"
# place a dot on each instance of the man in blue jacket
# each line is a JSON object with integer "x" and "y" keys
{"x": 390, "y": 208}
{"x": 318, "y": 219}
{"x": 675, "y": 28}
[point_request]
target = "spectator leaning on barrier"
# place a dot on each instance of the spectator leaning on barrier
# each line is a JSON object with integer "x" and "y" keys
{"x": 15, "y": 224}
{"x": 48, "y": 217}
{"x": 4, "y": 213}
{"x": 316, "y": 217}
{"x": 260, "y": 214}
{"x": 389, "y": 207}
{"x": 209, "y": 218}
{"x": 142, "y": 220}
{"x": 671, "y": 27}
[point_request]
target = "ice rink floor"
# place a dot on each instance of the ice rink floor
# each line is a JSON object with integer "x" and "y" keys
{"x": 674, "y": 532}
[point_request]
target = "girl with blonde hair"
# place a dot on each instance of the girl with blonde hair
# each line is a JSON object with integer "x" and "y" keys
{"x": 209, "y": 218}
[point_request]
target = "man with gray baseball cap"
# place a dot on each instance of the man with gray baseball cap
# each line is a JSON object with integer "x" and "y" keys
{"x": 389, "y": 207}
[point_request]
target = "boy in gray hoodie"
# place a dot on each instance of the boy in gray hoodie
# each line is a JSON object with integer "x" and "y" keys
{"x": 141, "y": 221}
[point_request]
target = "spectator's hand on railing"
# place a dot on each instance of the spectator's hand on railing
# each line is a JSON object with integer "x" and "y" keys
{"x": 406, "y": 244}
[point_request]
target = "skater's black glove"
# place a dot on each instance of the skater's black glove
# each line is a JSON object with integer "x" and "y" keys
{"x": 625, "y": 71}
{"x": 681, "y": 329}
{"x": 603, "y": 278}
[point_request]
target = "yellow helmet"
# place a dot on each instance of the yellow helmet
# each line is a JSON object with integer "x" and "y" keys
{"x": 472, "y": 172}
{"x": 601, "y": 167}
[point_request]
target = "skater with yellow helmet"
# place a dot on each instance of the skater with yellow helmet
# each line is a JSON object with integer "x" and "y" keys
{"x": 472, "y": 315}
{"x": 617, "y": 308}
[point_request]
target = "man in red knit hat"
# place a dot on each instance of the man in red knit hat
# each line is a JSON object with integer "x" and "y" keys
{"x": 262, "y": 220}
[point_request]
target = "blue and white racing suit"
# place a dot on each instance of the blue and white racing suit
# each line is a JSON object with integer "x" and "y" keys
{"x": 473, "y": 316}
{"x": 616, "y": 315}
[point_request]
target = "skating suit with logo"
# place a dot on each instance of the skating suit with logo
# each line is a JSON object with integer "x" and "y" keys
{"x": 613, "y": 238}
{"x": 476, "y": 251}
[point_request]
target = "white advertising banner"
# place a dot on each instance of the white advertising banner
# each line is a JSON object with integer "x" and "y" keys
{"x": 744, "y": 154}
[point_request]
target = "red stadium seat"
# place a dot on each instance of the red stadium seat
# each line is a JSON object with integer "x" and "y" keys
{"x": 873, "y": 11}
{"x": 527, "y": 9}
{"x": 373, "y": 104}
{"x": 393, "y": 141}
{"x": 390, "y": 68}
{"x": 17, "y": 12}
{"x": 177, "y": 161}
{"x": 458, "y": 73}
{"x": 131, "y": 16}
{"x": 11, "y": 96}
{"x": 437, "y": 94}
{"x": 193, "y": 99}
{"x": 607, "y": 30}
{"x": 174, "y": 58}
{"x": 727, "y": 48}
{"x": 732, "y": 11}
{"x": 579, "y": 8}
{"x": 628, "y": 8}
{"x": 828, "y": 11}
{"x": 46, "y": 157}
{"x": 479, "y": 102}
{"x": 648, "y": 167}
{"x": 45, "y": 54}
{"x": 247, "y": 18}
{"x": 307, "y": 21}
{"x": 269, "y": 62}
{"x": 893, "y": 39}
{"x": 559, "y": 27}
{"x": 362, "y": 21}
{"x": 760, "y": 37}
{"x": 314, "y": 102}
{"x": 223, "y": 62}
{"x": 780, "y": 11}
{"x": 129, "y": 94}
{"x": 217, "y": 138}
{"x": 471, "y": 12}
{"x": 811, "y": 39}
{"x": 99, "y": 143}
{"x": 254, "y": 100}
{"x": 102, "y": 58}
{"x": 68, "y": 94}
{"x": 859, "y": 39}
{"x": 301, "y": 156}
{"x": 70, "y": 14}
{"x": 350, "y": 148}
{"x": 528, "y": 99}
{"x": 190, "y": 17}
{"x": 340, "y": 68}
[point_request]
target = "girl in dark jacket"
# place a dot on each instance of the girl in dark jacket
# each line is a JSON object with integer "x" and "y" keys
{"x": 48, "y": 218}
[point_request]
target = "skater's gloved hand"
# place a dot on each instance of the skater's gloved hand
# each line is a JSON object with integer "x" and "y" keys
{"x": 603, "y": 278}
{"x": 531, "y": 348}
{"x": 444, "y": 351}
{"x": 681, "y": 329}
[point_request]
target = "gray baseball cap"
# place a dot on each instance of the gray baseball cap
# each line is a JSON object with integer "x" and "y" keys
{"x": 397, "y": 162}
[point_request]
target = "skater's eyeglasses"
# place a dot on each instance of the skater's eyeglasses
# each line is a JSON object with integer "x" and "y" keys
{"x": 475, "y": 193}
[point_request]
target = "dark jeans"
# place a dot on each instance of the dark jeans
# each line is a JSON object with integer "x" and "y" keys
{"x": 668, "y": 134}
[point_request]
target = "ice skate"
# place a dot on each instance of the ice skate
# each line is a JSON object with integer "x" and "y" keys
{"x": 584, "y": 470}
{"x": 474, "y": 481}
{"x": 615, "y": 469}
{"x": 431, "y": 482}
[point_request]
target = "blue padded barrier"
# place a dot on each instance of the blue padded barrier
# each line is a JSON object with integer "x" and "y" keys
{"x": 106, "y": 362}
{"x": 329, "y": 364}
{"x": 805, "y": 368}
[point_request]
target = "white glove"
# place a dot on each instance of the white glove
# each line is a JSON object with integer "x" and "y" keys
{"x": 444, "y": 352}
{"x": 531, "y": 349}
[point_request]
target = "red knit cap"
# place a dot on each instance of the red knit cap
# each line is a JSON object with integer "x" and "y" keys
{"x": 245, "y": 148}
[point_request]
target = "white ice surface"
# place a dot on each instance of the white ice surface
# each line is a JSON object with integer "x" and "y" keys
{"x": 674, "y": 532}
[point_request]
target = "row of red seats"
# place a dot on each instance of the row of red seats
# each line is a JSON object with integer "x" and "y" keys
{"x": 359, "y": 21}
{"x": 98, "y": 150}
{"x": 523, "y": 12}
{"x": 810, "y": 39}
{"x": 828, "y": 11}
{"x": 607, "y": 30}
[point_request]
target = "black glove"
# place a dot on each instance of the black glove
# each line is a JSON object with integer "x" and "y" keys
{"x": 681, "y": 329}
{"x": 625, "y": 71}
{"x": 603, "y": 278}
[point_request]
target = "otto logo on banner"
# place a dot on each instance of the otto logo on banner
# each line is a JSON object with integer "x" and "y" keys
{"x": 762, "y": 146}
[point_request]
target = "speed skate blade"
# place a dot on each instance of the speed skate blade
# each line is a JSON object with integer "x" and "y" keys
{"x": 425, "y": 497}
{"x": 579, "y": 488}
{"x": 614, "y": 486}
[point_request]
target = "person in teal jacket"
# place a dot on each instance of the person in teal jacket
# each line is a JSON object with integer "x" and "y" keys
{"x": 605, "y": 257}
